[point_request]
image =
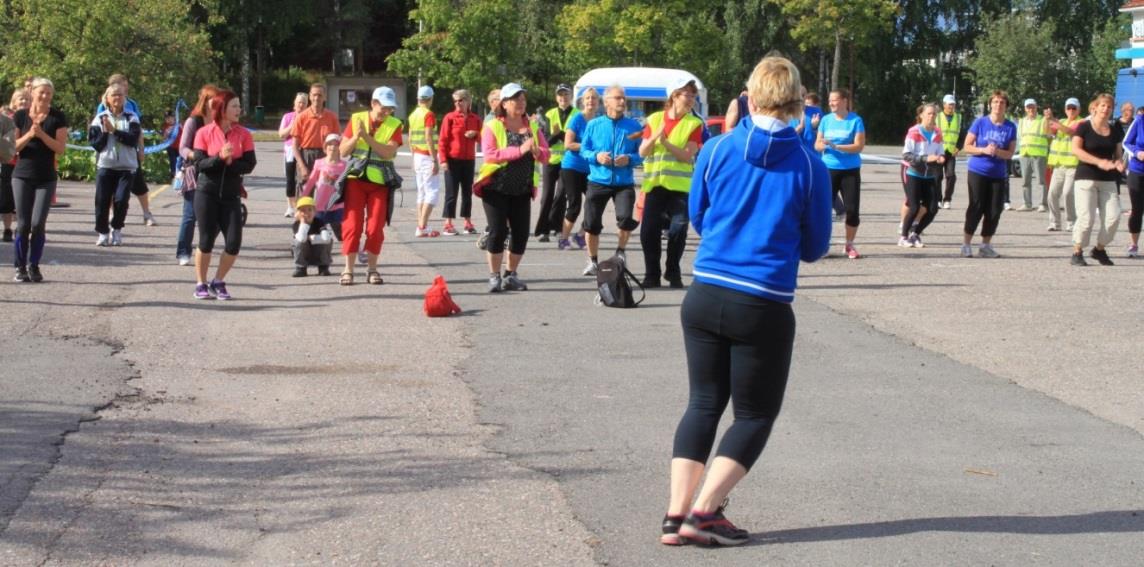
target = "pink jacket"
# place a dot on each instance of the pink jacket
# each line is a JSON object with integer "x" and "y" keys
{"x": 323, "y": 175}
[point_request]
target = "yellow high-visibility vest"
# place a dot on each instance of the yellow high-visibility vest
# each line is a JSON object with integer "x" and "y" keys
{"x": 417, "y": 138}
{"x": 662, "y": 168}
{"x": 950, "y": 130}
{"x": 1060, "y": 151}
{"x": 488, "y": 169}
{"x": 383, "y": 135}
{"x": 554, "y": 126}
{"x": 1034, "y": 143}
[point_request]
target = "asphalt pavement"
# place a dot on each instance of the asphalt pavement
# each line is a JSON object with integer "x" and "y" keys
{"x": 940, "y": 410}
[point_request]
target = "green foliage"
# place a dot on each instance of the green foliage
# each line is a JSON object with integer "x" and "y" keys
{"x": 79, "y": 165}
{"x": 79, "y": 43}
{"x": 818, "y": 23}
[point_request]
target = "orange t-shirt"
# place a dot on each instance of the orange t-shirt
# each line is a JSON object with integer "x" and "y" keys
{"x": 310, "y": 131}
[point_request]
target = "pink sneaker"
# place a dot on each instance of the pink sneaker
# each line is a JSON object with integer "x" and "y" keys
{"x": 852, "y": 253}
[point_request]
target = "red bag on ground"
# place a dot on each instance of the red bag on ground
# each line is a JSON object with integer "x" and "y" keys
{"x": 438, "y": 302}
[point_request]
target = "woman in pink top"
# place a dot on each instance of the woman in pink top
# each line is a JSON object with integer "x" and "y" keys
{"x": 286, "y": 132}
{"x": 325, "y": 172}
{"x": 224, "y": 152}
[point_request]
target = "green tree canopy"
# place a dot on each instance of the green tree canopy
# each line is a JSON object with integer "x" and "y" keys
{"x": 79, "y": 43}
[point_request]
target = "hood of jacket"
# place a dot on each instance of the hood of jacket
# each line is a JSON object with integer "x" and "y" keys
{"x": 764, "y": 147}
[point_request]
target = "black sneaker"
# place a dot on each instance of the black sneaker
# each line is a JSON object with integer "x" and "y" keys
{"x": 1078, "y": 259}
{"x": 675, "y": 282}
{"x": 300, "y": 272}
{"x": 7, "y": 235}
{"x": 513, "y": 283}
{"x": 22, "y": 275}
{"x": 670, "y": 535}
{"x": 324, "y": 271}
{"x": 1101, "y": 256}
{"x": 543, "y": 238}
{"x": 713, "y": 529}
{"x": 651, "y": 283}
{"x": 34, "y": 273}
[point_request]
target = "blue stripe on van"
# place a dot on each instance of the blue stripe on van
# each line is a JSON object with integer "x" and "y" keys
{"x": 632, "y": 92}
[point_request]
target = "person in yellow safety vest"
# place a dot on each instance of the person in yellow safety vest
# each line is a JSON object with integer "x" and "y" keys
{"x": 551, "y": 216}
{"x": 671, "y": 139}
{"x": 1033, "y": 132}
{"x": 952, "y": 136}
{"x": 1064, "y": 163}
{"x": 373, "y": 135}
{"x": 422, "y": 141}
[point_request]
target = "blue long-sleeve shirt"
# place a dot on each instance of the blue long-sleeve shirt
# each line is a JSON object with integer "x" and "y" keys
{"x": 1134, "y": 142}
{"x": 761, "y": 202}
{"x": 620, "y": 137}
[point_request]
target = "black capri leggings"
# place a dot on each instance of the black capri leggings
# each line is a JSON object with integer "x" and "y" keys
{"x": 848, "y": 183}
{"x": 292, "y": 179}
{"x": 505, "y": 212}
{"x": 1136, "y": 196}
{"x": 459, "y": 175}
{"x": 987, "y": 197}
{"x": 7, "y": 201}
{"x": 738, "y": 348}
{"x": 217, "y": 214}
{"x": 919, "y": 193}
{"x": 569, "y": 197}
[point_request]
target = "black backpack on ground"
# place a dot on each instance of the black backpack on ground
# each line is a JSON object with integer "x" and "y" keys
{"x": 614, "y": 284}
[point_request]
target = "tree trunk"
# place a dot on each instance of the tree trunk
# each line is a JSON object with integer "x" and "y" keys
{"x": 246, "y": 80}
{"x": 837, "y": 63}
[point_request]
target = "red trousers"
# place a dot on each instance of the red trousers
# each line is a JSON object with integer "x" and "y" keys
{"x": 372, "y": 201}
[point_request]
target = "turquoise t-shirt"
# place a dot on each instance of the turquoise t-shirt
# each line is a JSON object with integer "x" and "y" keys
{"x": 841, "y": 131}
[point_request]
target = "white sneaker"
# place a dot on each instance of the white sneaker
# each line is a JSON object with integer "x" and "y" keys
{"x": 1053, "y": 228}
{"x": 966, "y": 251}
{"x": 591, "y": 268}
{"x": 116, "y": 237}
{"x": 1041, "y": 208}
{"x": 1008, "y": 206}
{"x": 148, "y": 219}
{"x": 945, "y": 204}
{"x": 103, "y": 240}
{"x": 289, "y": 212}
{"x": 904, "y": 242}
{"x": 184, "y": 260}
{"x": 916, "y": 241}
{"x": 987, "y": 251}
{"x": 419, "y": 232}
{"x": 1068, "y": 227}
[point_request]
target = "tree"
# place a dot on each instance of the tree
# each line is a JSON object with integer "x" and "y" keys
{"x": 822, "y": 24}
{"x": 79, "y": 43}
{"x": 1015, "y": 55}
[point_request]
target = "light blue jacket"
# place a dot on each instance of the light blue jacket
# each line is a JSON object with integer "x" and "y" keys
{"x": 617, "y": 136}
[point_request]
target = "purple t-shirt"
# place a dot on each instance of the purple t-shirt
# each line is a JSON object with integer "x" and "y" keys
{"x": 989, "y": 133}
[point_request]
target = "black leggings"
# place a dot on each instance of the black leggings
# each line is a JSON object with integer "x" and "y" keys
{"x": 505, "y": 213}
{"x": 919, "y": 193}
{"x": 986, "y": 201}
{"x": 664, "y": 209}
{"x": 218, "y": 214}
{"x": 948, "y": 172}
{"x": 549, "y": 181}
{"x": 569, "y": 197}
{"x": 847, "y": 182}
{"x": 292, "y": 179}
{"x": 33, "y": 199}
{"x": 458, "y": 175}
{"x": 1136, "y": 195}
{"x": 112, "y": 193}
{"x": 738, "y": 348}
{"x": 7, "y": 202}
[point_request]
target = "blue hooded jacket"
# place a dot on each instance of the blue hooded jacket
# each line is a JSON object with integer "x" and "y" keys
{"x": 1134, "y": 142}
{"x": 761, "y": 202}
{"x": 604, "y": 134}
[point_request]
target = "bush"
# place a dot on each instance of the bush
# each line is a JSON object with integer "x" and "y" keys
{"x": 79, "y": 165}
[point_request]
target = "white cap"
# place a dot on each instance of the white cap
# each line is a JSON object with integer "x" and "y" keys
{"x": 1030, "y": 102}
{"x": 510, "y": 90}
{"x": 425, "y": 92}
{"x": 385, "y": 96}
{"x": 949, "y": 99}
{"x": 332, "y": 138}
{"x": 1072, "y": 102}
{"x": 679, "y": 83}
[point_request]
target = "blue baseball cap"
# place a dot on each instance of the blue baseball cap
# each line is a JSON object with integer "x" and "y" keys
{"x": 425, "y": 92}
{"x": 385, "y": 96}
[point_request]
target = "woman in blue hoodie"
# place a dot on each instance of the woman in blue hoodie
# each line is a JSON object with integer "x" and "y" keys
{"x": 1134, "y": 147}
{"x": 738, "y": 326}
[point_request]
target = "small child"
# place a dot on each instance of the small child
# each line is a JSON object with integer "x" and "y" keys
{"x": 312, "y": 240}
{"x": 325, "y": 172}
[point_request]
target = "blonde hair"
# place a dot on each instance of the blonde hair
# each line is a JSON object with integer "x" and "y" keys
{"x": 1102, "y": 97}
{"x": 116, "y": 79}
{"x": 462, "y": 94}
{"x": 38, "y": 82}
{"x": 775, "y": 87}
{"x": 17, "y": 94}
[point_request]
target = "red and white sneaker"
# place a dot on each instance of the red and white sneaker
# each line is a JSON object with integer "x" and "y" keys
{"x": 448, "y": 230}
{"x": 852, "y": 252}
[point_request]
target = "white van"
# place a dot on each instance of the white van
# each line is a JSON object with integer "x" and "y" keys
{"x": 646, "y": 87}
